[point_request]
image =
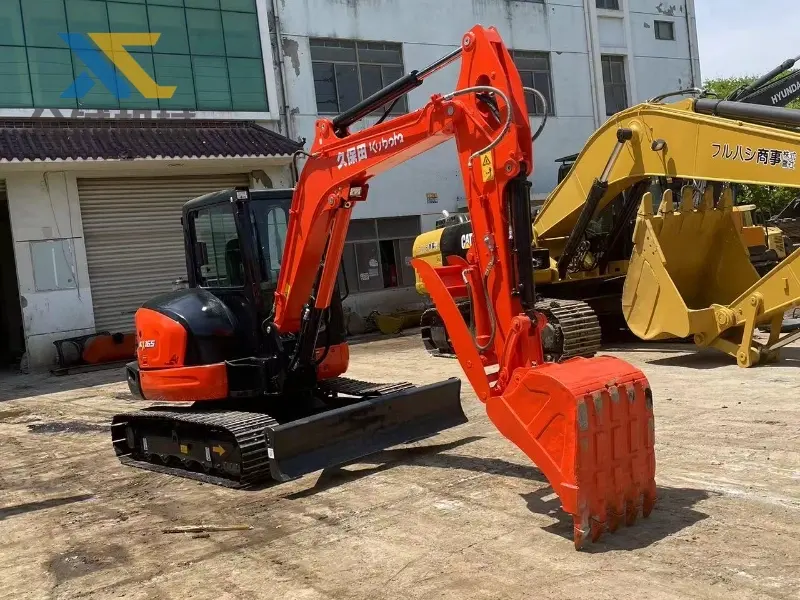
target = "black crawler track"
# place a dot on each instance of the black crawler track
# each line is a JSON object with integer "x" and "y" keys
{"x": 574, "y": 330}
{"x": 240, "y": 449}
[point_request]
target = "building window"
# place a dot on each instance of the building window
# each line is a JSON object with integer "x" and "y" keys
{"x": 210, "y": 50}
{"x": 346, "y": 72}
{"x": 616, "y": 90}
{"x": 534, "y": 70}
{"x": 665, "y": 30}
{"x": 377, "y": 254}
{"x": 608, "y": 4}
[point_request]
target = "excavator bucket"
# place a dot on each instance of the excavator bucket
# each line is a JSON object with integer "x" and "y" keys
{"x": 691, "y": 275}
{"x": 587, "y": 423}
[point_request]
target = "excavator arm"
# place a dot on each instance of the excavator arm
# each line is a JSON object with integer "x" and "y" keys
{"x": 677, "y": 141}
{"x": 586, "y": 423}
{"x": 690, "y": 273}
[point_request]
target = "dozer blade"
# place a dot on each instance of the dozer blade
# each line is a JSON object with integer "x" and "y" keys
{"x": 240, "y": 449}
{"x": 691, "y": 275}
{"x": 352, "y": 432}
{"x": 588, "y": 425}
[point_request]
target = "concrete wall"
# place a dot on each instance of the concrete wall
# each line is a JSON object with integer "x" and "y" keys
{"x": 44, "y": 206}
{"x": 661, "y": 65}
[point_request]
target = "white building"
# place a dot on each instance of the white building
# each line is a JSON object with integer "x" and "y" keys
{"x": 89, "y": 211}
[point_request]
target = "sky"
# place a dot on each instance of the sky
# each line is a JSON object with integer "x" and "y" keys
{"x": 742, "y": 37}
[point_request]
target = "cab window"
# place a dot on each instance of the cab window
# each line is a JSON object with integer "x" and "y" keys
{"x": 271, "y": 221}
{"x": 218, "y": 258}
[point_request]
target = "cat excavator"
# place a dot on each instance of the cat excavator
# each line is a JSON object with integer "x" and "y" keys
{"x": 255, "y": 392}
{"x": 670, "y": 255}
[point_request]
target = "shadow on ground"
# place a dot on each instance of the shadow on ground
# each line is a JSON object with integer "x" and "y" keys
{"x": 673, "y": 512}
{"x": 21, "y": 509}
{"x": 713, "y": 359}
{"x": 15, "y": 385}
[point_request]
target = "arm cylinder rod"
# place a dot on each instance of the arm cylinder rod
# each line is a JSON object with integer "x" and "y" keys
{"x": 748, "y": 112}
{"x": 440, "y": 64}
{"x": 390, "y": 93}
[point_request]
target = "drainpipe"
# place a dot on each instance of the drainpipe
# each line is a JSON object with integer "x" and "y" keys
{"x": 279, "y": 60}
{"x": 591, "y": 34}
{"x": 691, "y": 19}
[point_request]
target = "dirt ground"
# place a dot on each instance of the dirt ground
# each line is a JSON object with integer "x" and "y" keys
{"x": 461, "y": 515}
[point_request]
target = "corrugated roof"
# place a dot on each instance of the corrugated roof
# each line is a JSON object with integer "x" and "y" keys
{"x": 32, "y": 140}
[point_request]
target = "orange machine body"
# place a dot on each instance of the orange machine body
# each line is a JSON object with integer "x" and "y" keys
{"x": 164, "y": 376}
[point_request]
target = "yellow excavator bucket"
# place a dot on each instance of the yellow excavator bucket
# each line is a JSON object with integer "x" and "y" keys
{"x": 690, "y": 275}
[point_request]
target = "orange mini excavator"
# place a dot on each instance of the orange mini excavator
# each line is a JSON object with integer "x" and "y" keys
{"x": 273, "y": 403}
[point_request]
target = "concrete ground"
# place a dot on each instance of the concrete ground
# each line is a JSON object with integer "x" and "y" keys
{"x": 462, "y": 515}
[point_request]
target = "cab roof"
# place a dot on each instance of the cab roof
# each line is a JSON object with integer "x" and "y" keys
{"x": 229, "y": 195}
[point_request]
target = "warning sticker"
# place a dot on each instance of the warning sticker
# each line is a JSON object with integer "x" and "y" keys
{"x": 487, "y": 167}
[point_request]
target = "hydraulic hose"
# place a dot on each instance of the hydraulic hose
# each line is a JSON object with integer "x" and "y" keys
{"x": 546, "y": 106}
{"x": 506, "y": 125}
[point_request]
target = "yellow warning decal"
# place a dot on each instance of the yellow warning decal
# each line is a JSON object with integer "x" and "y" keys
{"x": 487, "y": 167}
{"x": 218, "y": 450}
{"x": 184, "y": 449}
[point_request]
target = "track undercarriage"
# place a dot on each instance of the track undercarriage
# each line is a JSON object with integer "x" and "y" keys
{"x": 238, "y": 444}
{"x": 573, "y": 330}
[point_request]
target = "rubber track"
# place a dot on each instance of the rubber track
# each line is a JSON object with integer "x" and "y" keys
{"x": 578, "y": 325}
{"x": 247, "y": 429}
{"x": 578, "y": 328}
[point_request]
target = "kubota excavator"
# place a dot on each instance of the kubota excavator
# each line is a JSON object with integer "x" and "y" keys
{"x": 267, "y": 396}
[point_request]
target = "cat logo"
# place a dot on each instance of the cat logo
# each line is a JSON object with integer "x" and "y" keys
{"x": 466, "y": 241}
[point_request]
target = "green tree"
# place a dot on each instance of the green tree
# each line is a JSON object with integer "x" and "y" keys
{"x": 770, "y": 199}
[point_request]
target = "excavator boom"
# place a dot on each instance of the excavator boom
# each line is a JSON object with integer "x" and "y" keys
{"x": 586, "y": 423}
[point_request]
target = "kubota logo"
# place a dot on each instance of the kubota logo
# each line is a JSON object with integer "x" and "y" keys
{"x": 128, "y": 71}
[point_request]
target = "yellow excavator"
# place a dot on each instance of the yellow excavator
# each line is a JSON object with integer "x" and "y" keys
{"x": 766, "y": 244}
{"x": 644, "y": 221}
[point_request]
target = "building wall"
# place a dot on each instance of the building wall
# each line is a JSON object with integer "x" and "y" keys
{"x": 44, "y": 206}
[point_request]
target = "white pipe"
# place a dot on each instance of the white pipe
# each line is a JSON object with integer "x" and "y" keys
{"x": 691, "y": 26}
{"x": 596, "y": 74}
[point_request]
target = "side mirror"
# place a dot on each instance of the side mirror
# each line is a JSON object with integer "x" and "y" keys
{"x": 201, "y": 252}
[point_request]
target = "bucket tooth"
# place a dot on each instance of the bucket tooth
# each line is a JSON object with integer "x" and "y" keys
{"x": 687, "y": 198}
{"x": 646, "y": 205}
{"x": 667, "y": 205}
{"x": 707, "y": 202}
{"x": 725, "y": 199}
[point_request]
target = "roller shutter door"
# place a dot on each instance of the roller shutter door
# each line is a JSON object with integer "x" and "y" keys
{"x": 134, "y": 240}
